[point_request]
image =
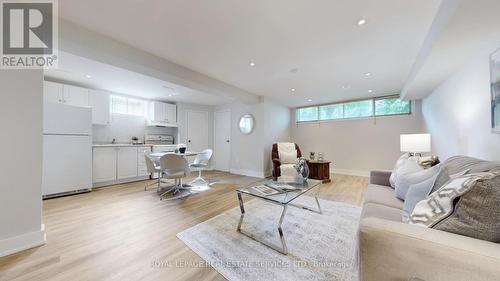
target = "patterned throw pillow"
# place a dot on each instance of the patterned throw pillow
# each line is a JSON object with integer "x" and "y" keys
{"x": 466, "y": 205}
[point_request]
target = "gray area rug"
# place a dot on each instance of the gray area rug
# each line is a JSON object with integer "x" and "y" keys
{"x": 321, "y": 247}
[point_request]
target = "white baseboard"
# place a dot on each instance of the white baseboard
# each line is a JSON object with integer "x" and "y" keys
{"x": 350, "y": 172}
{"x": 248, "y": 173}
{"x": 22, "y": 242}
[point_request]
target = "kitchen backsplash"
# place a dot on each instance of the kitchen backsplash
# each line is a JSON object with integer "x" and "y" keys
{"x": 124, "y": 127}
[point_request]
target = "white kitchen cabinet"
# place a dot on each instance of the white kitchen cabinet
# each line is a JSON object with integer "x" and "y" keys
{"x": 171, "y": 113}
{"x": 163, "y": 114}
{"x": 142, "y": 169}
{"x": 76, "y": 96}
{"x": 65, "y": 94}
{"x": 52, "y": 92}
{"x": 104, "y": 164}
{"x": 99, "y": 101}
{"x": 127, "y": 163}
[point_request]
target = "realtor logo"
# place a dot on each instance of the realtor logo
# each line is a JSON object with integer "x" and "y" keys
{"x": 29, "y": 34}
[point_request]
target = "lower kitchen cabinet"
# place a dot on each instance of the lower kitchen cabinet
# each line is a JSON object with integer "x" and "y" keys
{"x": 127, "y": 163}
{"x": 112, "y": 165}
{"x": 104, "y": 164}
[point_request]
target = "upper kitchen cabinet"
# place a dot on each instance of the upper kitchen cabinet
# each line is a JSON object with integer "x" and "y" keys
{"x": 66, "y": 94}
{"x": 76, "y": 96}
{"x": 52, "y": 92}
{"x": 99, "y": 101}
{"x": 162, "y": 114}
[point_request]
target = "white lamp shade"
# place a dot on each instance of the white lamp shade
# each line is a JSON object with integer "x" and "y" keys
{"x": 417, "y": 143}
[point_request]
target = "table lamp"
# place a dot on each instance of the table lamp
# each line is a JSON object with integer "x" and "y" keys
{"x": 416, "y": 144}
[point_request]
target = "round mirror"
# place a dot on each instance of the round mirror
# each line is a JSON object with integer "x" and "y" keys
{"x": 247, "y": 122}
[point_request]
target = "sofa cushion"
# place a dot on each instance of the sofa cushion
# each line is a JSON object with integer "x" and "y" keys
{"x": 399, "y": 163}
{"x": 372, "y": 210}
{"x": 382, "y": 195}
{"x": 288, "y": 157}
{"x": 477, "y": 213}
{"x": 467, "y": 205}
{"x": 416, "y": 193}
{"x": 413, "y": 175}
{"x": 458, "y": 164}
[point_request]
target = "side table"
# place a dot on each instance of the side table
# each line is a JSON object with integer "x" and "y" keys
{"x": 319, "y": 170}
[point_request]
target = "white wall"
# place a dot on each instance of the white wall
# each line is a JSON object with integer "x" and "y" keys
{"x": 458, "y": 113}
{"x": 123, "y": 127}
{"x": 250, "y": 154}
{"x": 21, "y": 165}
{"x": 359, "y": 145}
{"x": 276, "y": 129}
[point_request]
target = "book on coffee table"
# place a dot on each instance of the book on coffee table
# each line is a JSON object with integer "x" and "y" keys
{"x": 266, "y": 190}
{"x": 281, "y": 186}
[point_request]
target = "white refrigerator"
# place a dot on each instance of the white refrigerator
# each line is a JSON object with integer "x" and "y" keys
{"x": 67, "y": 149}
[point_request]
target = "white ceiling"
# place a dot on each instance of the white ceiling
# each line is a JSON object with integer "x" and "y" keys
{"x": 471, "y": 31}
{"x": 220, "y": 38}
{"x": 74, "y": 69}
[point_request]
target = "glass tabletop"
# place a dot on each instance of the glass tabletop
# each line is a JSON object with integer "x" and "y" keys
{"x": 281, "y": 191}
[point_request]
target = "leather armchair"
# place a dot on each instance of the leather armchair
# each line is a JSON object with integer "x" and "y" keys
{"x": 276, "y": 159}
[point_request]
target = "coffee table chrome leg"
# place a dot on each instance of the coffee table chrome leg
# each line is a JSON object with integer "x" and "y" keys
{"x": 242, "y": 209}
{"x": 280, "y": 230}
{"x": 283, "y": 249}
{"x": 318, "y": 210}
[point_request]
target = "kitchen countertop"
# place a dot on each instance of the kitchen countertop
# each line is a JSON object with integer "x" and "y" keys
{"x": 119, "y": 145}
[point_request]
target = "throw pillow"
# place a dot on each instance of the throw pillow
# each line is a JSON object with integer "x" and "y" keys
{"x": 411, "y": 173}
{"x": 399, "y": 163}
{"x": 441, "y": 179}
{"x": 288, "y": 157}
{"x": 418, "y": 192}
{"x": 466, "y": 205}
{"x": 477, "y": 213}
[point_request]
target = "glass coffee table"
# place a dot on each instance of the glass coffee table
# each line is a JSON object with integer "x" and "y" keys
{"x": 284, "y": 198}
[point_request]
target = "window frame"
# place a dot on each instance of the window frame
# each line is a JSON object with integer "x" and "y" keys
{"x": 144, "y": 104}
{"x": 373, "y": 115}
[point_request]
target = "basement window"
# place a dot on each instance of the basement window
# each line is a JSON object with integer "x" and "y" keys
{"x": 374, "y": 107}
{"x": 128, "y": 106}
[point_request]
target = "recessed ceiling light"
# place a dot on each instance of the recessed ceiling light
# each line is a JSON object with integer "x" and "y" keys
{"x": 370, "y": 91}
{"x": 292, "y": 89}
{"x": 368, "y": 74}
{"x": 294, "y": 70}
{"x": 88, "y": 76}
{"x": 345, "y": 87}
{"x": 361, "y": 21}
{"x": 309, "y": 100}
{"x": 252, "y": 64}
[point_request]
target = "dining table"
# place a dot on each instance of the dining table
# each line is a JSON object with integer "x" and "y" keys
{"x": 185, "y": 154}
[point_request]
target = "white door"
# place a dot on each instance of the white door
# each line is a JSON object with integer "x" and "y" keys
{"x": 76, "y": 96}
{"x": 222, "y": 140}
{"x": 99, "y": 101}
{"x": 197, "y": 130}
{"x": 127, "y": 162}
{"x": 52, "y": 92}
{"x": 104, "y": 164}
{"x": 67, "y": 163}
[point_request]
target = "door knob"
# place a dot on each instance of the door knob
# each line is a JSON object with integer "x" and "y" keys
{"x": 227, "y": 141}
{"x": 189, "y": 140}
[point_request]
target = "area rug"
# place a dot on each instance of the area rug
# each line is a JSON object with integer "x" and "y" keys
{"x": 321, "y": 247}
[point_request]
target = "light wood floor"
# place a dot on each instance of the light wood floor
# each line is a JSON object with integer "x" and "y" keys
{"x": 118, "y": 232}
